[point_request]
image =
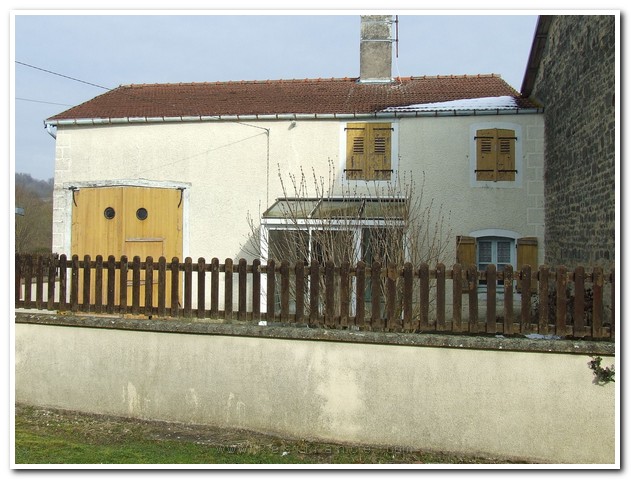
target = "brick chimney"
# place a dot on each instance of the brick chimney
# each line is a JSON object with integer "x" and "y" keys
{"x": 375, "y": 49}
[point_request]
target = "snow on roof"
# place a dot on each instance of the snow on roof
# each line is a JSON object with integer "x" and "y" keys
{"x": 486, "y": 103}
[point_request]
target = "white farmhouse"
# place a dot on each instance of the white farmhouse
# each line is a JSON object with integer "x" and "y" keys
{"x": 177, "y": 169}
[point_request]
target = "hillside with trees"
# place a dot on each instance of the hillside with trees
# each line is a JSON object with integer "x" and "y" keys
{"x": 34, "y": 222}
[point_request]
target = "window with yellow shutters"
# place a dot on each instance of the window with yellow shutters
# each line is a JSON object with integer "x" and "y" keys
{"x": 368, "y": 151}
{"x": 495, "y": 155}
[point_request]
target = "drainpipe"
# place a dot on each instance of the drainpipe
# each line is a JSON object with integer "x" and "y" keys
{"x": 49, "y": 128}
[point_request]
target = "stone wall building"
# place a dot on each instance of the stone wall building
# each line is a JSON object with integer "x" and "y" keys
{"x": 572, "y": 74}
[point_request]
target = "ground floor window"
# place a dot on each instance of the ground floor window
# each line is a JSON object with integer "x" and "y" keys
{"x": 497, "y": 251}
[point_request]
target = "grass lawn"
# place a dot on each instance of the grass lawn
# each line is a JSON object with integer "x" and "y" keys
{"x": 48, "y": 436}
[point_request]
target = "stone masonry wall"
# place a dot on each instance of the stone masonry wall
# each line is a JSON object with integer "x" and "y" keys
{"x": 576, "y": 84}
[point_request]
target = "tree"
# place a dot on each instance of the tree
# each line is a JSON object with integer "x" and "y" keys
{"x": 33, "y": 230}
{"x": 324, "y": 220}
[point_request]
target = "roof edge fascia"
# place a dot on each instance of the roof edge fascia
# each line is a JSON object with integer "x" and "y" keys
{"x": 291, "y": 116}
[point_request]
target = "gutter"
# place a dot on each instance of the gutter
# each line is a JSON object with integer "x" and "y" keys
{"x": 293, "y": 116}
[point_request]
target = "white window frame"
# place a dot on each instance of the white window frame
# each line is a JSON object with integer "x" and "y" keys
{"x": 495, "y": 234}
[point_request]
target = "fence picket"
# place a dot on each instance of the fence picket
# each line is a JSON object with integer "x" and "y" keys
{"x": 375, "y": 286}
{"x": 526, "y": 282}
{"x": 314, "y": 293}
{"x": 162, "y": 286}
{"x": 408, "y": 288}
{"x": 456, "y": 322}
{"x": 561, "y": 306}
{"x": 201, "y": 287}
{"x": 98, "y": 284}
{"x": 63, "y": 279}
{"x": 299, "y": 270}
{"x": 228, "y": 288}
{"x": 491, "y": 298}
{"x": 597, "y": 308}
{"x": 440, "y": 298}
{"x": 243, "y": 294}
{"x": 360, "y": 287}
{"x": 256, "y": 289}
{"x": 423, "y": 273}
{"x": 74, "y": 284}
{"x": 124, "y": 272}
{"x": 149, "y": 286}
{"x": 52, "y": 281}
{"x": 544, "y": 304}
{"x": 345, "y": 294}
{"x": 214, "y": 287}
{"x": 175, "y": 286}
{"x": 111, "y": 283}
{"x": 508, "y": 299}
{"x": 284, "y": 291}
{"x": 188, "y": 287}
{"x": 271, "y": 290}
{"x": 39, "y": 282}
{"x": 579, "y": 302}
{"x": 472, "y": 278}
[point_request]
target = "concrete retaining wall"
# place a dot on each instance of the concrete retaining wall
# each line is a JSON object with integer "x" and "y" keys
{"x": 433, "y": 392}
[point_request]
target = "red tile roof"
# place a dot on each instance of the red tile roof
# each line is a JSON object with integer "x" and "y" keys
{"x": 309, "y": 96}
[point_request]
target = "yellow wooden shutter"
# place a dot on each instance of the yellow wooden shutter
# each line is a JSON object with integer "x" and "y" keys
{"x": 505, "y": 155}
{"x": 356, "y": 146}
{"x": 527, "y": 249}
{"x": 465, "y": 251}
{"x": 465, "y": 254}
{"x": 379, "y": 163}
{"x": 486, "y": 154}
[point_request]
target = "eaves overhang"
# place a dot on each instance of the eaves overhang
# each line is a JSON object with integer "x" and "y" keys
{"x": 291, "y": 116}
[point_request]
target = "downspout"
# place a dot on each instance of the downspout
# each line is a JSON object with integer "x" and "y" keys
{"x": 49, "y": 128}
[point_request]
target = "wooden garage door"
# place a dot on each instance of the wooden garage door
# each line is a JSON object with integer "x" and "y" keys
{"x": 131, "y": 221}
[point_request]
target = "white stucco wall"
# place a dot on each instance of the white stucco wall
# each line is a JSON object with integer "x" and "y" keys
{"x": 529, "y": 405}
{"x": 233, "y": 171}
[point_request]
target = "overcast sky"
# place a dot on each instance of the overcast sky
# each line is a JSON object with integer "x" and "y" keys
{"x": 115, "y": 49}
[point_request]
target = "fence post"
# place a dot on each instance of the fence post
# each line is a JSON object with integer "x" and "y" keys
{"x": 98, "y": 284}
{"x": 408, "y": 289}
{"x": 124, "y": 270}
{"x": 345, "y": 300}
{"x": 440, "y": 297}
{"x": 360, "y": 291}
{"x": 314, "y": 293}
{"x": 561, "y": 306}
{"x": 63, "y": 279}
{"x": 597, "y": 315}
{"x": 579, "y": 301}
{"x": 162, "y": 286}
{"x": 74, "y": 284}
{"x": 544, "y": 304}
{"x": 175, "y": 286}
{"x": 135, "y": 289}
{"x": 201, "y": 287}
{"x": 508, "y": 299}
{"x": 393, "y": 322}
{"x": 228, "y": 288}
{"x": 214, "y": 288}
{"x": 39, "y": 276}
{"x": 271, "y": 290}
{"x": 188, "y": 287}
{"x": 18, "y": 279}
{"x": 423, "y": 274}
{"x": 284, "y": 291}
{"x": 52, "y": 274}
{"x": 612, "y": 278}
{"x": 526, "y": 280}
{"x": 472, "y": 277}
{"x": 243, "y": 298}
{"x": 256, "y": 289}
{"x": 491, "y": 298}
{"x": 299, "y": 270}
{"x": 111, "y": 283}
{"x": 375, "y": 286}
{"x": 149, "y": 286}
{"x": 456, "y": 323}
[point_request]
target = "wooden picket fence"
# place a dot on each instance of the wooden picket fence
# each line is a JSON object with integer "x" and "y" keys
{"x": 409, "y": 299}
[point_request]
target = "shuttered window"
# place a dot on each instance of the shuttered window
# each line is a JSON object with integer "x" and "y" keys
{"x": 495, "y": 155}
{"x": 368, "y": 151}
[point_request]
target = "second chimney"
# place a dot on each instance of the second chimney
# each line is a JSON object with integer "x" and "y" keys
{"x": 375, "y": 49}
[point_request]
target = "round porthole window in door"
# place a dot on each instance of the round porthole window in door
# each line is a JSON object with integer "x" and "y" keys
{"x": 109, "y": 213}
{"x": 142, "y": 214}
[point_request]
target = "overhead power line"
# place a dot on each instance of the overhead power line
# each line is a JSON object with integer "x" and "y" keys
{"x": 42, "y": 101}
{"x": 64, "y": 76}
